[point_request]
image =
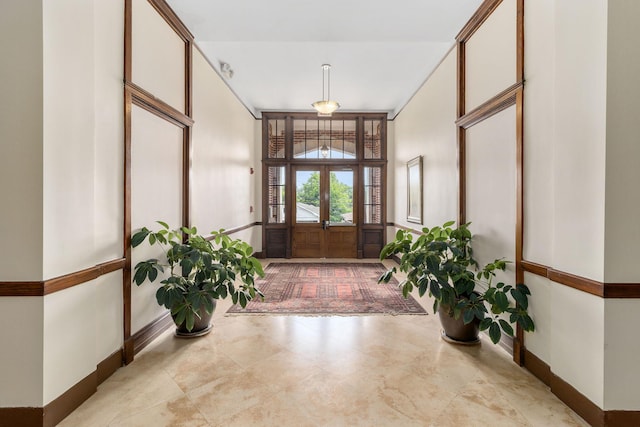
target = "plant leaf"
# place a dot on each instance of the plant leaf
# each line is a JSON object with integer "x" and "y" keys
{"x": 506, "y": 327}
{"x": 494, "y": 333}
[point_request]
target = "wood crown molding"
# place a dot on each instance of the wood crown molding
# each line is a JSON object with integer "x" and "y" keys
{"x": 172, "y": 19}
{"x": 593, "y": 287}
{"x": 46, "y": 287}
{"x": 484, "y": 11}
{"x": 146, "y": 100}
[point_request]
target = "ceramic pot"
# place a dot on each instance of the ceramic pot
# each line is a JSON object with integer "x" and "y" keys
{"x": 455, "y": 331}
{"x": 202, "y": 325}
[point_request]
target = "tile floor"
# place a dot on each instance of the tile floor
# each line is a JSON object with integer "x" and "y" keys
{"x": 301, "y": 371}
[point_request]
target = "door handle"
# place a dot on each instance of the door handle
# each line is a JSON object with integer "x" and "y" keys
{"x": 325, "y": 224}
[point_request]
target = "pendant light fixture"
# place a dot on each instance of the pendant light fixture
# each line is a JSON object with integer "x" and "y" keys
{"x": 326, "y": 107}
{"x": 324, "y": 149}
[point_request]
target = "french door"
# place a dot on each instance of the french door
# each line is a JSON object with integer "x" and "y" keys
{"x": 324, "y": 211}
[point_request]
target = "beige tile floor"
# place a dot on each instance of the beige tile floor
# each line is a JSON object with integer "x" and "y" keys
{"x": 321, "y": 371}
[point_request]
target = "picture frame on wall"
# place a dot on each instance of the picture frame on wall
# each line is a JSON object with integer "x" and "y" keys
{"x": 414, "y": 190}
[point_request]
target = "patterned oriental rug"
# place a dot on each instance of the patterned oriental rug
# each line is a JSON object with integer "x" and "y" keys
{"x": 328, "y": 288}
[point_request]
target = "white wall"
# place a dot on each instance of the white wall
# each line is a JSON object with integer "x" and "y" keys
{"x": 21, "y": 140}
{"x": 622, "y": 205}
{"x": 490, "y": 65}
{"x": 82, "y": 208}
{"x": 491, "y": 189}
{"x": 21, "y": 200}
{"x": 426, "y": 126}
{"x": 21, "y": 351}
{"x": 580, "y": 137}
{"x": 108, "y": 130}
{"x": 156, "y": 195}
{"x": 623, "y": 143}
{"x": 157, "y": 55}
{"x": 223, "y": 153}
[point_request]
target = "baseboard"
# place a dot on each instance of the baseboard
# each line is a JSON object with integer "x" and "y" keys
{"x": 21, "y": 417}
{"x": 537, "y": 367}
{"x": 66, "y": 403}
{"x": 144, "y": 336}
{"x": 109, "y": 366}
{"x": 622, "y": 418}
{"x": 575, "y": 400}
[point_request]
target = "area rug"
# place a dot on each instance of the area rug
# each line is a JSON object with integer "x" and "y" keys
{"x": 328, "y": 288}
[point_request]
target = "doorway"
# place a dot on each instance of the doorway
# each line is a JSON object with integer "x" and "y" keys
{"x": 323, "y": 191}
{"x": 324, "y": 211}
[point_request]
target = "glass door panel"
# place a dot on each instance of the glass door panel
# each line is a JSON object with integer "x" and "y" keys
{"x": 307, "y": 196}
{"x": 341, "y": 197}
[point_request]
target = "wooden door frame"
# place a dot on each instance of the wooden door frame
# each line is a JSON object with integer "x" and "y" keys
{"x": 371, "y": 237}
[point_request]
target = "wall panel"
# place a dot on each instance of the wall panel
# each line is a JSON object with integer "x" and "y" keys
{"x": 69, "y": 323}
{"x": 158, "y": 56}
{"x": 68, "y": 148}
{"x": 21, "y": 140}
{"x": 491, "y": 56}
{"x": 539, "y": 123}
{"x": 491, "y": 188}
{"x": 156, "y": 194}
{"x": 21, "y": 354}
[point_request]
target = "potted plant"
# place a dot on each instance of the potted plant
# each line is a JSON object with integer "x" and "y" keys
{"x": 200, "y": 272}
{"x": 440, "y": 261}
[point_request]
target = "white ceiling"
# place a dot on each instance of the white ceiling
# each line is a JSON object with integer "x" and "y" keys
{"x": 380, "y": 51}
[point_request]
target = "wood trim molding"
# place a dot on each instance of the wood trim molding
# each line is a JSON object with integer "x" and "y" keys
{"x": 146, "y": 100}
{"x": 501, "y": 101}
{"x": 77, "y": 278}
{"x": 21, "y": 289}
{"x": 575, "y": 400}
{"x": 593, "y": 287}
{"x": 537, "y": 367}
{"x": 622, "y": 418}
{"x": 46, "y": 287}
{"x": 172, "y": 19}
{"x": 580, "y": 283}
{"x": 21, "y": 417}
{"x": 109, "y": 366}
{"x": 58, "y": 409}
{"x": 237, "y": 229}
{"x": 484, "y": 11}
{"x": 412, "y": 230}
{"x": 66, "y": 403}
{"x": 532, "y": 267}
{"x": 144, "y": 336}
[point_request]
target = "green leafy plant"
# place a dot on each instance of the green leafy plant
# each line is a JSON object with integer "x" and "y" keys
{"x": 200, "y": 270}
{"x": 440, "y": 261}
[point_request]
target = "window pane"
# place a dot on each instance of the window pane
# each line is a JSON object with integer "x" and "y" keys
{"x": 277, "y": 193}
{"x": 305, "y": 139}
{"x": 308, "y": 196}
{"x": 341, "y": 197}
{"x": 372, "y": 139}
{"x": 276, "y": 139}
{"x": 373, "y": 195}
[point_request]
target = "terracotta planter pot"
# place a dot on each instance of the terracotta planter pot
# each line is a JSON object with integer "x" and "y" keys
{"x": 455, "y": 331}
{"x": 202, "y": 326}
